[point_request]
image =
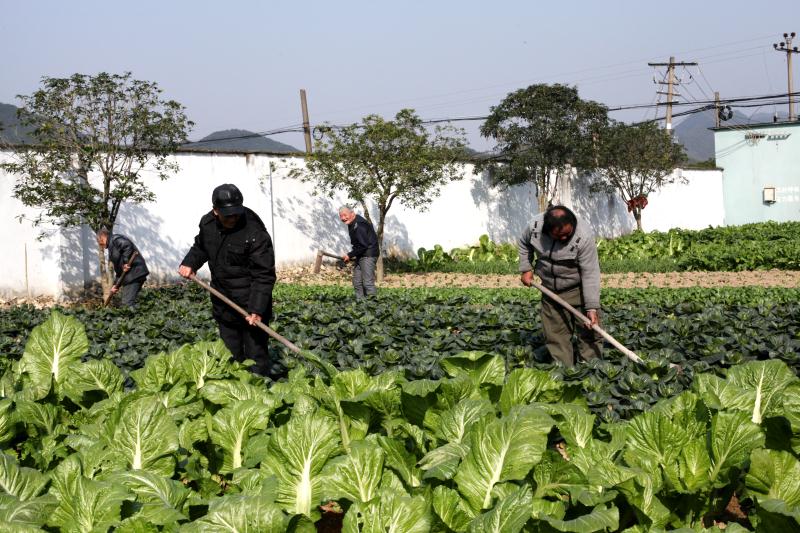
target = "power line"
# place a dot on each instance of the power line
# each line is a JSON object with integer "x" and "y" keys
{"x": 294, "y": 128}
{"x": 704, "y": 105}
{"x": 671, "y": 83}
{"x": 710, "y": 88}
{"x": 545, "y": 78}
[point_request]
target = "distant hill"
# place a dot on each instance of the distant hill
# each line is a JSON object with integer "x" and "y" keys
{"x": 10, "y": 129}
{"x": 239, "y": 141}
{"x": 698, "y": 140}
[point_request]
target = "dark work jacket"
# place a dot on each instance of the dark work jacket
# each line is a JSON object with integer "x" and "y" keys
{"x": 362, "y": 238}
{"x": 242, "y": 264}
{"x": 120, "y": 249}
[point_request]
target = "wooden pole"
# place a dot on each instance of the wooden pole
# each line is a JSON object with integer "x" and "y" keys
{"x": 618, "y": 345}
{"x": 27, "y": 283}
{"x": 306, "y": 122}
{"x": 318, "y": 260}
{"x": 671, "y": 83}
{"x": 119, "y": 279}
{"x": 318, "y": 263}
{"x": 269, "y": 331}
{"x": 670, "y": 91}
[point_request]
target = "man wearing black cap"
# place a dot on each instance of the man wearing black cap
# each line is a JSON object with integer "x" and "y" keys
{"x": 238, "y": 249}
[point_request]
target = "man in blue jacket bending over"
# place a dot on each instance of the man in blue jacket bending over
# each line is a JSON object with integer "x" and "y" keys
{"x": 120, "y": 251}
{"x": 364, "y": 254}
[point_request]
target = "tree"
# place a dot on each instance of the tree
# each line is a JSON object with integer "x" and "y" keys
{"x": 385, "y": 161}
{"x": 541, "y": 131}
{"x": 636, "y": 160}
{"x": 92, "y": 137}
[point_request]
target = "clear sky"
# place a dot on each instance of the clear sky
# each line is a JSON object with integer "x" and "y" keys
{"x": 240, "y": 64}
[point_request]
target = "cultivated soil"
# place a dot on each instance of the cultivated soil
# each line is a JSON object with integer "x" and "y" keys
{"x": 331, "y": 275}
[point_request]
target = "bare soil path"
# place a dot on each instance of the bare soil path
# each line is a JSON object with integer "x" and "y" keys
{"x": 341, "y": 276}
{"x": 765, "y": 278}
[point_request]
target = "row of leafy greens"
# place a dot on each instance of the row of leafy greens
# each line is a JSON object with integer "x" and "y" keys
{"x": 757, "y": 246}
{"x": 200, "y": 444}
{"x": 412, "y": 331}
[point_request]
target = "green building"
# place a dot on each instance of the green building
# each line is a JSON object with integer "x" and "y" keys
{"x": 760, "y": 171}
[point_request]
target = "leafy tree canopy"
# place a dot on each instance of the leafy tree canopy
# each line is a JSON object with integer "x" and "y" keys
{"x": 385, "y": 161}
{"x": 636, "y": 160}
{"x": 93, "y": 137}
{"x": 540, "y": 132}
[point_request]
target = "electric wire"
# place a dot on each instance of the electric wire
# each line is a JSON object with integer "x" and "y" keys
{"x": 540, "y": 79}
{"x": 704, "y": 105}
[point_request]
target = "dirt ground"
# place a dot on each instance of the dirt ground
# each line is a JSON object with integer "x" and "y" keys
{"x": 331, "y": 275}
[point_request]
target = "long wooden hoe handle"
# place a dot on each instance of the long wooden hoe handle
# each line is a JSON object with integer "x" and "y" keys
{"x": 120, "y": 278}
{"x": 318, "y": 260}
{"x": 271, "y": 332}
{"x": 328, "y": 254}
{"x": 618, "y": 345}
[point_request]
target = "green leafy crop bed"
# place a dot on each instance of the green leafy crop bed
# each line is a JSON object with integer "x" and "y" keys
{"x": 411, "y": 331}
{"x": 199, "y": 444}
{"x": 759, "y": 246}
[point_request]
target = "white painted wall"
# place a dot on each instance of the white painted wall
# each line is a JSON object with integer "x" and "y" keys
{"x": 694, "y": 201}
{"x": 17, "y": 235}
{"x": 302, "y": 223}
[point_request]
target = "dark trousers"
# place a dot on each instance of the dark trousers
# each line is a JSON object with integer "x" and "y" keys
{"x": 249, "y": 342}
{"x": 364, "y": 276}
{"x": 560, "y": 325}
{"x": 129, "y": 292}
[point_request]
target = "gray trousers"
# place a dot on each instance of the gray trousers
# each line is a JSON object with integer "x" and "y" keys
{"x": 364, "y": 276}
{"x": 560, "y": 325}
{"x": 129, "y": 292}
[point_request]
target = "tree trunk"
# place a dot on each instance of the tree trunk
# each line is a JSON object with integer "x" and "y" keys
{"x": 381, "y": 220}
{"x": 105, "y": 274}
{"x": 542, "y": 190}
{"x": 542, "y": 200}
{"x": 637, "y": 215}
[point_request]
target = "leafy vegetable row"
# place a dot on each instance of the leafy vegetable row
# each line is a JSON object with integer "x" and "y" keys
{"x": 412, "y": 332}
{"x": 758, "y": 246}
{"x": 200, "y": 444}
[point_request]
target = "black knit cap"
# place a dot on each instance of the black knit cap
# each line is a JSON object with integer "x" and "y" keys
{"x": 228, "y": 200}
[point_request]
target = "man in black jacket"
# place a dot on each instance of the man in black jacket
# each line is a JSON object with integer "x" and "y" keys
{"x": 120, "y": 249}
{"x": 364, "y": 253}
{"x": 238, "y": 249}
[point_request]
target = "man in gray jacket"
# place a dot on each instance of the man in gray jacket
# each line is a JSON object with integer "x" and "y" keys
{"x": 562, "y": 252}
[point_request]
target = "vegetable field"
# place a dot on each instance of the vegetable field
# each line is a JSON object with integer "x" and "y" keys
{"x": 758, "y": 246}
{"x": 411, "y": 331}
{"x": 425, "y": 410}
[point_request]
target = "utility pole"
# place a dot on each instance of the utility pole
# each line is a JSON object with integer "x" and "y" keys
{"x": 786, "y": 46}
{"x": 716, "y": 109}
{"x": 670, "y": 83}
{"x": 306, "y": 124}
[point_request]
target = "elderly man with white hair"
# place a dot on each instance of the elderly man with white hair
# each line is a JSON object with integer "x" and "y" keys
{"x": 364, "y": 254}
